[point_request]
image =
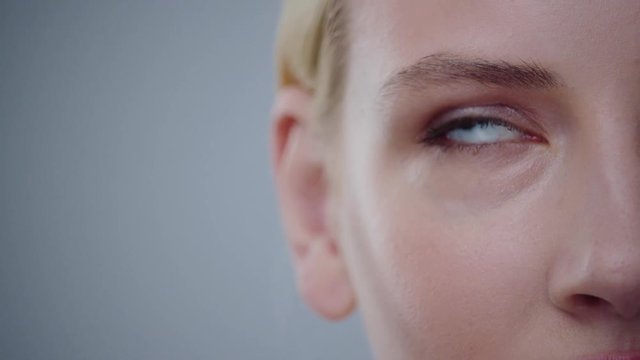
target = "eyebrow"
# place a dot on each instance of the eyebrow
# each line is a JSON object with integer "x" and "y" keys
{"x": 443, "y": 68}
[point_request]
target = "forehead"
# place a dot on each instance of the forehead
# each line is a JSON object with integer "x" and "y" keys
{"x": 573, "y": 37}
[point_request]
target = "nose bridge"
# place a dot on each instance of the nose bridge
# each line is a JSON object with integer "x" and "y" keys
{"x": 612, "y": 155}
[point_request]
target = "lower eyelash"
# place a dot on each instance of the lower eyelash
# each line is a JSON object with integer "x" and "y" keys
{"x": 473, "y": 149}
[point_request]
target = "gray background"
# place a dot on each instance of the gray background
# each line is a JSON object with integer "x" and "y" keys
{"x": 137, "y": 217}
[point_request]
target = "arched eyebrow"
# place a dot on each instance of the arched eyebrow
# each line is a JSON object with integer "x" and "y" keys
{"x": 444, "y": 68}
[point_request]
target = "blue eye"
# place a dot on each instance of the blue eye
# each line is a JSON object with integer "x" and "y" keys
{"x": 474, "y": 132}
{"x": 483, "y": 132}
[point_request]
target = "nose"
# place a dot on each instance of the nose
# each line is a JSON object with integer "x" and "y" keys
{"x": 605, "y": 283}
{"x": 596, "y": 270}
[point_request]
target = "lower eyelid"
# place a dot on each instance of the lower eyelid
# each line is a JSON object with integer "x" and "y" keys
{"x": 449, "y": 148}
{"x": 469, "y": 148}
{"x": 505, "y": 152}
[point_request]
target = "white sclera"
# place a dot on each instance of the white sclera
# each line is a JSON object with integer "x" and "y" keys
{"x": 484, "y": 134}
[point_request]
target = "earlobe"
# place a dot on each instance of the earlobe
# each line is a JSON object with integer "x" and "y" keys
{"x": 323, "y": 281}
{"x": 300, "y": 172}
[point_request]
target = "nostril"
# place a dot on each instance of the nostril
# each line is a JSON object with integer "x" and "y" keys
{"x": 587, "y": 301}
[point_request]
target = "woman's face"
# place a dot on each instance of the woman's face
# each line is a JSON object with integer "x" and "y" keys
{"x": 489, "y": 203}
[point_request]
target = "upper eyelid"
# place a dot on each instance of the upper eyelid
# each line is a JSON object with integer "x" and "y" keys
{"x": 443, "y": 129}
{"x": 518, "y": 117}
{"x": 497, "y": 111}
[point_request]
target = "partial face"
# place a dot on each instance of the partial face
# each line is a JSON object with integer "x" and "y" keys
{"x": 489, "y": 203}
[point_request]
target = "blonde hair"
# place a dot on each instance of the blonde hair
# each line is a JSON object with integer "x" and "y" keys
{"x": 311, "y": 53}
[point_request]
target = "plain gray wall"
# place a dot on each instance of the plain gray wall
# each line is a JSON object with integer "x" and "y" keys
{"x": 137, "y": 216}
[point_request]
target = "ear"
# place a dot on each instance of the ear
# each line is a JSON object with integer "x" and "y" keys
{"x": 300, "y": 172}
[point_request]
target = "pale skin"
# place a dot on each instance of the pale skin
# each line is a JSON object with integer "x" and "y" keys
{"x": 467, "y": 216}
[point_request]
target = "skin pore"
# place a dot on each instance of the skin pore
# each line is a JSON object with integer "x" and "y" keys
{"x": 481, "y": 197}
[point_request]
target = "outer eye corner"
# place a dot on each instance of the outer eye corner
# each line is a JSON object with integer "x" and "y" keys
{"x": 538, "y": 139}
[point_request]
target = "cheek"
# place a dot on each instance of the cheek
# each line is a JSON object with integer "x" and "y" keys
{"x": 434, "y": 280}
